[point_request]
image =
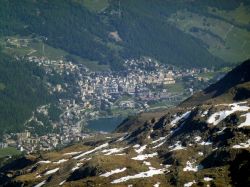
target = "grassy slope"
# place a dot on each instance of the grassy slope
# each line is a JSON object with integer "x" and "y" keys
{"x": 9, "y": 151}
{"x": 94, "y": 5}
{"x": 223, "y": 31}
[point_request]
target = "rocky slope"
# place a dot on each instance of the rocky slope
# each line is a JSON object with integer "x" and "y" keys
{"x": 199, "y": 145}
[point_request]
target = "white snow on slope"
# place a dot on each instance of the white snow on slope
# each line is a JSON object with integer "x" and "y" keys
{"x": 247, "y": 122}
{"x": 120, "y": 154}
{"x": 146, "y": 174}
{"x": 147, "y": 163}
{"x": 205, "y": 143}
{"x": 60, "y": 161}
{"x": 163, "y": 139}
{"x": 204, "y": 113}
{"x": 40, "y": 184}
{"x": 197, "y": 138}
{"x": 61, "y": 183}
{"x": 208, "y": 179}
{"x": 191, "y": 167}
{"x": 200, "y": 153}
{"x": 176, "y": 146}
{"x": 72, "y": 153}
{"x": 51, "y": 171}
{"x": 160, "y": 144}
{"x": 178, "y": 118}
{"x": 113, "y": 150}
{"x": 158, "y": 140}
{"x": 157, "y": 184}
{"x": 189, "y": 184}
{"x": 217, "y": 117}
{"x": 91, "y": 151}
{"x": 76, "y": 167}
{"x": 141, "y": 149}
{"x": 238, "y": 103}
{"x": 219, "y": 132}
{"x": 112, "y": 172}
{"x": 136, "y": 146}
{"x": 122, "y": 138}
{"x": 44, "y": 162}
{"x": 144, "y": 157}
{"x": 242, "y": 145}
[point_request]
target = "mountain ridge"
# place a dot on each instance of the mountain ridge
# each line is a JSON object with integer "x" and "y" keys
{"x": 234, "y": 86}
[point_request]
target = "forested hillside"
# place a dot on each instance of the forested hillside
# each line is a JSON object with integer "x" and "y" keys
{"x": 110, "y": 31}
{"x": 21, "y": 90}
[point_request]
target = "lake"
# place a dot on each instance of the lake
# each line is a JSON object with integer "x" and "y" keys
{"x": 105, "y": 124}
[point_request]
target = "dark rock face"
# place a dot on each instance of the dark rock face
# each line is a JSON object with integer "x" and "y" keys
{"x": 240, "y": 169}
{"x": 18, "y": 164}
{"x": 85, "y": 171}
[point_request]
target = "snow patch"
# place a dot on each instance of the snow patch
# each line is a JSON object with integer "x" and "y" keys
{"x": 136, "y": 146}
{"x": 141, "y": 149}
{"x": 157, "y": 184}
{"x": 247, "y": 122}
{"x": 189, "y": 184}
{"x": 91, "y": 151}
{"x": 40, "y": 184}
{"x": 197, "y": 138}
{"x": 176, "y": 146}
{"x": 76, "y": 167}
{"x": 200, "y": 153}
{"x": 208, "y": 179}
{"x": 51, "y": 171}
{"x": 204, "y": 113}
{"x": 160, "y": 144}
{"x": 44, "y": 162}
{"x": 71, "y": 153}
{"x": 144, "y": 157}
{"x": 242, "y": 145}
{"x": 60, "y": 161}
{"x": 122, "y": 138}
{"x": 205, "y": 143}
{"x": 178, "y": 118}
{"x": 158, "y": 140}
{"x": 120, "y": 154}
{"x": 219, "y": 132}
{"x": 191, "y": 167}
{"x": 147, "y": 163}
{"x": 61, "y": 183}
{"x": 217, "y": 117}
{"x": 146, "y": 174}
{"x": 112, "y": 172}
{"x": 114, "y": 150}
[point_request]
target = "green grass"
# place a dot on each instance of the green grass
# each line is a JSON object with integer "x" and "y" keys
{"x": 2, "y": 86}
{"x": 9, "y": 151}
{"x": 239, "y": 15}
{"x": 94, "y": 5}
{"x": 177, "y": 87}
{"x": 92, "y": 65}
{"x": 233, "y": 46}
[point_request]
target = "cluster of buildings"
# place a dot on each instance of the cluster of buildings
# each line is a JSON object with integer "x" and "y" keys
{"x": 25, "y": 141}
{"x": 90, "y": 95}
